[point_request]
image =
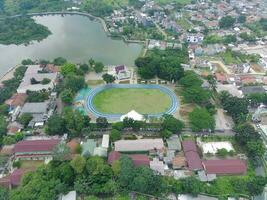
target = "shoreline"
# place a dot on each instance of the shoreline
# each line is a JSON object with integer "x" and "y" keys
{"x": 9, "y": 74}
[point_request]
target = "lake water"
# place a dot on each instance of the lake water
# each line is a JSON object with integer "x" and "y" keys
{"x": 75, "y": 38}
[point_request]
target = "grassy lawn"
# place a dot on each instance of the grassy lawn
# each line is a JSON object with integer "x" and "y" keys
{"x": 184, "y": 23}
{"x": 94, "y": 82}
{"x": 29, "y": 164}
{"x": 123, "y": 100}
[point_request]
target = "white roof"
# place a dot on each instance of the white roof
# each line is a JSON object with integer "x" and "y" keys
{"x": 105, "y": 141}
{"x": 157, "y": 166}
{"x": 72, "y": 195}
{"x": 213, "y": 147}
{"x": 138, "y": 145}
{"x": 133, "y": 115}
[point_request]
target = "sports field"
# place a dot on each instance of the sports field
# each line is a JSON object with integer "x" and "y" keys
{"x": 123, "y": 100}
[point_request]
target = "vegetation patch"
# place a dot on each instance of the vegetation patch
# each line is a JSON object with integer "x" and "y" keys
{"x": 21, "y": 31}
{"x": 123, "y": 100}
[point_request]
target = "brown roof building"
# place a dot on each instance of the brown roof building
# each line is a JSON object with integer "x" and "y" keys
{"x": 138, "y": 159}
{"x": 225, "y": 167}
{"x": 179, "y": 162}
{"x": 39, "y": 149}
{"x": 17, "y": 99}
{"x": 192, "y": 157}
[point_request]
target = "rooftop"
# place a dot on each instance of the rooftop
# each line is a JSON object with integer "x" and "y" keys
{"x": 35, "y": 146}
{"x": 35, "y": 108}
{"x": 224, "y": 167}
{"x": 138, "y": 145}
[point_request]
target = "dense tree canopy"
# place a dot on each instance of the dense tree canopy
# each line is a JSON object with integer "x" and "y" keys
{"x": 164, "y": 64}
{"x": 227, "y": 22}
{"x": 26, "y": 28}
{"x": 201, "y": 119}
{"x": 172, "y": 124}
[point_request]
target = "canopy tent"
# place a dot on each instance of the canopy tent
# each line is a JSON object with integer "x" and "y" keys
{"x": 133, "y": 115}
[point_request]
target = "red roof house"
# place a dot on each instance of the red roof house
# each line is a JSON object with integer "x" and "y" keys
{"x": 220, "y": 77}
{"x": 34, "y": 148}
{"x": 225, "y": 167}
{"x": 191, "y": 154}
{"x": 17, "y": 99}
{"x": 138, "y": 159}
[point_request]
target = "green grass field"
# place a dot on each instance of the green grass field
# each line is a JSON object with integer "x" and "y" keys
{"x": 123, "y": 100}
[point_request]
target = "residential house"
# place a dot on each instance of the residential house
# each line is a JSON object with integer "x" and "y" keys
{"x": 16, "y": 100}
{"x": 39, "y": 111}
{"x": 158, "y": 166}
{"x": 179, "y": 161}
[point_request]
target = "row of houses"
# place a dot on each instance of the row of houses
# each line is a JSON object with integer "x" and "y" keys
{"x": 174, "y": 156}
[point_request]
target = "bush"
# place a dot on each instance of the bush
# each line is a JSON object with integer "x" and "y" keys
{"x": 115, "y": 135}
{"x": 222, "y": 152}
{"x": 17, "y": 164}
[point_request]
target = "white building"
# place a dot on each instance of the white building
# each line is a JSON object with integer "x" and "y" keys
{"x": 34, "y": 72}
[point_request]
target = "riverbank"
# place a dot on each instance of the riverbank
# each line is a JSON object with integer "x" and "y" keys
{"x": 8, "y": 75}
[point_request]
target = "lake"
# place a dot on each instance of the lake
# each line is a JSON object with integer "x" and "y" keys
{"x": 75, "y": 38}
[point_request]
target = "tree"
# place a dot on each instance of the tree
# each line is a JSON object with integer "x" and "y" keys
{"x": 61, "y": 152}
{"x": 256, "y": 185}
{"x": 67, "y": 96}
{"x": 241, "y": 19}
{"x": 99, "y": 66}
{"x": 68, "y": 68}
{"x": 37, "y": 96}
{"x": 190, "y": 79}
{"x": 59, "y": 61}
{"x": 212, "y": 82}
{"x": 27, "y": 62}
{"x": 55, "y": 125}
{"x": 191, "y": 185}
{"x": 108, "y": 78}
{"x": 78, "y": 164}
{"x": 165, "y": 133}
{"x": 200, "y": 119}
{"x": 3, "y": 126}
{"x": 145, "y": 181}
{"x": 227, "y": 22}
{"x": 4, "y": 109}
{"x": 4, "y": 195}
{"x": 236, "y": 107}
{"x": 74, "y": 83}
{"x": 222, "y": 152}
{"x": 84, "y": 68}
{"x": 115, "y": 135}
{"x": 25, "y": 119}
{"x": 74, "y": 121}
{"x": 101, "y": 122}
{"x": 126, "y": 174}
{"x": 196, "y": 94}
{"x": 172, "y": 124}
